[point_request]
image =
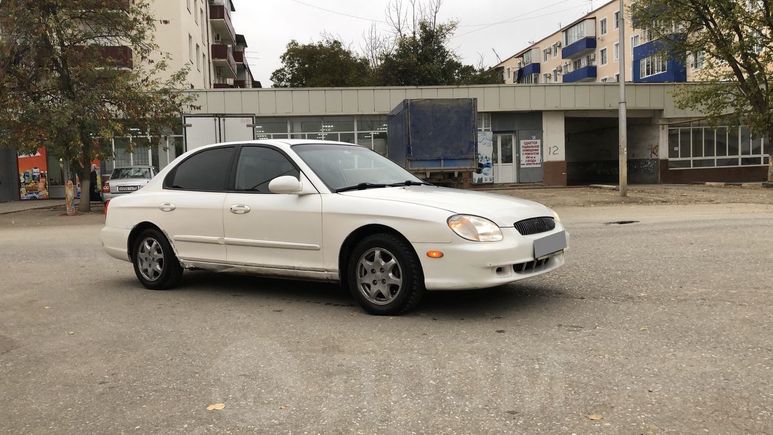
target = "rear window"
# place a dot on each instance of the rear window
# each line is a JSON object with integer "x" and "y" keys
{"x": 120, "y": 173}
{"x": 207, "y": 170}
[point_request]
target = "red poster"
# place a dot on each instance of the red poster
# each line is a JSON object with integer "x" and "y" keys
{"x": 33, "y": 175}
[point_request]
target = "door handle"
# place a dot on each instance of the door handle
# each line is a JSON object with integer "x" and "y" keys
{"x": 166, "y": 206}
{"x": 240, "y": 209}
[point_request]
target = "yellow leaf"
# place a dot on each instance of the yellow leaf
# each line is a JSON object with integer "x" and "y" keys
{"x": 595, "y": 417}
{"x": 215, "y": 407}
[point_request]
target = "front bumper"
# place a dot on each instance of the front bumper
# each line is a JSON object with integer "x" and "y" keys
{"x": 471, "y": 265}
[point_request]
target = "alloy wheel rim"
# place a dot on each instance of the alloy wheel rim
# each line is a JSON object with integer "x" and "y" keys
{"x": 150, "y": 259}
{"x": 379, "y": 276}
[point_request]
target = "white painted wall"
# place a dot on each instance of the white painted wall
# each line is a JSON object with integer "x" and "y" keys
{"x": 553, "y": 136}
{"x": 172, "y": 37}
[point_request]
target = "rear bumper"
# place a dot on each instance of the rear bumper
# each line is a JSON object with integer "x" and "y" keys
{"x": 471, "y": 265}
{"x": 115, "y": 242}
{"x": 112, "y": 195}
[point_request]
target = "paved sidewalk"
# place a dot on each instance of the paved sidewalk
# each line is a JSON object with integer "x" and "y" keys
{"x": 18, "y": 206}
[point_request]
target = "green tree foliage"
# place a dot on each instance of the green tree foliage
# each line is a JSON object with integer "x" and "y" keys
{"x": 735, "y": 40}
{"x": 414, "y": 53}
{"x": 321, "y": 64}
{"x": 422, "y": 58}
{"x": 60, "y": 87}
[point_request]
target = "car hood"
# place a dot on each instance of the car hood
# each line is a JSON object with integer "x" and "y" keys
{"x": 503, "y": 210}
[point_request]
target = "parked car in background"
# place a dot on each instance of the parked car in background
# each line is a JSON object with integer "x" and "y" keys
{"x": 264, "y": 206}
{"x": 125, "y": 180}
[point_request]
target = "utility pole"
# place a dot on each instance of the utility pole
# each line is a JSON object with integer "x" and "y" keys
{"x": 622, "y": 117}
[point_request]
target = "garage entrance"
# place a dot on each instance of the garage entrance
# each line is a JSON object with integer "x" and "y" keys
{"x": 592, "y": 150}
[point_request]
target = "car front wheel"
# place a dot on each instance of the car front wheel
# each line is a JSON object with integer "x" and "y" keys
{"x": 155, "y": 264}
{"x": 384, "y": 275}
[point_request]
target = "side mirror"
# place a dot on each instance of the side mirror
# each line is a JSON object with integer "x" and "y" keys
{"x": 286, "y": 184}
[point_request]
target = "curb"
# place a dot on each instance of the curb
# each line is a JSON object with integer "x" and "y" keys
{"x": 603, "y": 186}
{"x": 735, "y": 184}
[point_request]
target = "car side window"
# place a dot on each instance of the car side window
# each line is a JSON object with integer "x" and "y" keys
{"x": 206, "y": 171}
{"x": 257, "y": 166}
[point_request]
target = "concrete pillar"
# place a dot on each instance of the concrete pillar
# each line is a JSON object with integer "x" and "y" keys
{"x": 554, "y": 148}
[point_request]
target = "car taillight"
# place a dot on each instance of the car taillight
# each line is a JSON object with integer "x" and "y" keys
{"x": 106, "y": 187}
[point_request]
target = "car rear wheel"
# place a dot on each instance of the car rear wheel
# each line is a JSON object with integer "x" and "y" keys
{"x": 384, "y": 275}
{"x": 155, "y": 264}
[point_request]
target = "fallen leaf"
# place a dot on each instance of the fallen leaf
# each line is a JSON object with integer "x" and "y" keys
{"x": 595, "y": 417}
{"x": 216, "y": 407}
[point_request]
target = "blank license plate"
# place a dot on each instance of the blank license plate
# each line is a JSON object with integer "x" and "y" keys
{"x": 551, "y": 244}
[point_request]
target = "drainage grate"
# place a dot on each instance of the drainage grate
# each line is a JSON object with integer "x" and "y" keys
{"x": 621, "y": 222}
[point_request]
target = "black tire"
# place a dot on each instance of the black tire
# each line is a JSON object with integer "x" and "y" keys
{"x": 404, "y": 296}
{"x": 170, "y": 270}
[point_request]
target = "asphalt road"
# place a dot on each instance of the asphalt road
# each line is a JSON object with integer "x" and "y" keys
{"x": 659, "y": 326}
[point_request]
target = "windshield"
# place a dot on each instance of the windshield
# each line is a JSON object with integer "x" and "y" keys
{"x": 119, "y": 173}
{"x": 342, "y": 166}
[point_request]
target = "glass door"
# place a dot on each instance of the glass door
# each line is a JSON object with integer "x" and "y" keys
{"x": 503, "y": 158}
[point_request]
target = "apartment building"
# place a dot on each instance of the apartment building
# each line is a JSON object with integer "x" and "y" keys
{"x": 200, "y": 34}
{"x": 588, "y": 50}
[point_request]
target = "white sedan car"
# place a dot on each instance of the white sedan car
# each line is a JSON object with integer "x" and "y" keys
{"x": 327, "y": 211}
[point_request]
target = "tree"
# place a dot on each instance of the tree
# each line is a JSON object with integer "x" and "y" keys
{"x": 420, "y": 55}
{"x": 320, "y": 64}
{"x": 735, "y": 40}
{"x": 423, "y": 59}
{"x": 74, "y": 73}
{"x": 414, "y": 52}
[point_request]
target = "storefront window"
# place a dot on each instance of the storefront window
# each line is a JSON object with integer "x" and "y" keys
{"x": 704, "y": 147}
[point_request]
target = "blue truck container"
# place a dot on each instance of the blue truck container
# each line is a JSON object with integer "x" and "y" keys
{"x": 435, "y": 139}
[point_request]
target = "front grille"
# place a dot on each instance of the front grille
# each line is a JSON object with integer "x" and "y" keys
{"x": 531, "y": 266}
{"x": 535, "y": 225}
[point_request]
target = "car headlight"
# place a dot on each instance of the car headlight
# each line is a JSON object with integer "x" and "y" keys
{"x": 556, "y": 217}
{"x": 475, "y": 228}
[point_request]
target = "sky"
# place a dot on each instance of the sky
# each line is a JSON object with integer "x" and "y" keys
{"x": 487, "y": 28}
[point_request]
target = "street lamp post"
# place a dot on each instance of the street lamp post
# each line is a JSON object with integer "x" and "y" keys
{"x": 622, "y": 117}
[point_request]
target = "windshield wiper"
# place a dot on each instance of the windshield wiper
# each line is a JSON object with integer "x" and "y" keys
{"x": 361, "y": 186}
{"x": 410, "y": 183}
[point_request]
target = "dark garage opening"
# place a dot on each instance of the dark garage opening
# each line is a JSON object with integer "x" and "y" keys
{"x": 592, "y": 151}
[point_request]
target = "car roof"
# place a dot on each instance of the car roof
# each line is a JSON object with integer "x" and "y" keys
{"x": 282, "y": 143}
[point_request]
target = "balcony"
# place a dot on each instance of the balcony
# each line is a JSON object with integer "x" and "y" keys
{"x": 584, "y": 74}
{"x": 579, "y": 48}
{"x": 220, "y": 20}
{"x": 223, "y": 59}
{"x": 118, "y": 56}
{"x": 532, "y": 68}
{"x": 676, "y": 69}
{"x": 239, "y": 56}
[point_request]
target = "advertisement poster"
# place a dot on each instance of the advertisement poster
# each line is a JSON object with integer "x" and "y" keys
{"x": 531, "y": 155}
{"x": 485, "y": 151}
{"x": 33, "y": 175}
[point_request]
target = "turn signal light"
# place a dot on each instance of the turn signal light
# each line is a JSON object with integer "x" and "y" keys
{"x": 435, "y": 254}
